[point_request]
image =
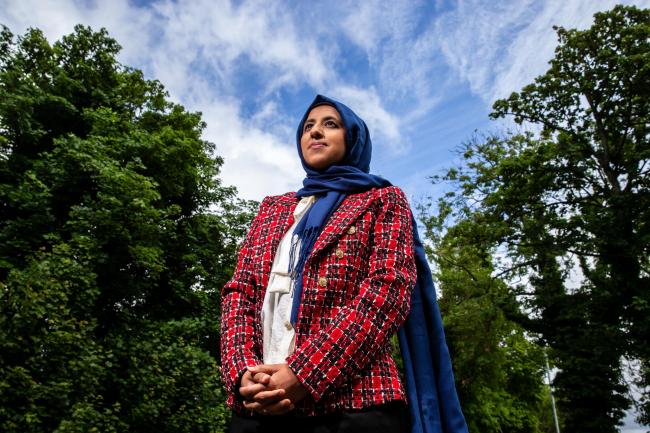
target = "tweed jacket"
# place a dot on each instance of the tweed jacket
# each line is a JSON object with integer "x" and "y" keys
{"x": 356, "y": 291}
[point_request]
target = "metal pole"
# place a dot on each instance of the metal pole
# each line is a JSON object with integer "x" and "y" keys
{"x": 550, "y": 387}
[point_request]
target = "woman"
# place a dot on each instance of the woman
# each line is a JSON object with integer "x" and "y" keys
{"x": 324, "y": 278}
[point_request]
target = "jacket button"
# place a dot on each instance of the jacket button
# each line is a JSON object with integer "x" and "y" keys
{"x": 287, "y": 325}
{"x": 352, "y": 230}
{"x": 322, "y": 281}
{"x": 339, "y": 253}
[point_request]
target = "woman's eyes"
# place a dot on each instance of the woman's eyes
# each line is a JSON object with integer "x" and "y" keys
{"x": 328, "y": 123}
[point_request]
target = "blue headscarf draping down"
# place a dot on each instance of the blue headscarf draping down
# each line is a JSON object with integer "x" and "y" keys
{"x": 433, "y": 401}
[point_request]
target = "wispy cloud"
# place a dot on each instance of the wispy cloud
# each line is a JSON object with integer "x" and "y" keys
{"x": 498, "y": 47}
{"x": 400, "y": 51}
{"x": 368, "y": 105}
{"x": 259, "y": 34}
{"x": 200, "y": 51}
{"x": 250, "y": 66}
{"x": 259, "y": 163}
{"x": 128, "y": 24}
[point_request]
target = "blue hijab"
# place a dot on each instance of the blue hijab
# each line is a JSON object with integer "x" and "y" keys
{"x": 433, "y": 402}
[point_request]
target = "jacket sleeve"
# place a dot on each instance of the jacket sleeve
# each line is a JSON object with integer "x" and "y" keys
{"x": 335, "y": 353}
{"x": 238, "y": 343}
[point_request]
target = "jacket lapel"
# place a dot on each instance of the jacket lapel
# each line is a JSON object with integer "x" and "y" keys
{"x": 341, "y": 219}
{"x": 349, "y": 210}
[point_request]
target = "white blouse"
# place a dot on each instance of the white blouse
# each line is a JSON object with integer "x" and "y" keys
{"x": 278, "y": 333}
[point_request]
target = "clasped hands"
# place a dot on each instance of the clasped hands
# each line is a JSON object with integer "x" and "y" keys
{"x": 271, "y": 389}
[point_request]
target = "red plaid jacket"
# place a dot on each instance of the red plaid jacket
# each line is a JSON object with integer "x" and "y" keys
{"x": 356, "y": 293}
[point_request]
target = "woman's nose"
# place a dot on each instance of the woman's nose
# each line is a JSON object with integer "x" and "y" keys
{"x": 316, "y": 132}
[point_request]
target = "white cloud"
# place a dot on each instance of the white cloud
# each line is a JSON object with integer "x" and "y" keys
{"x": 257, "y": 162}
{"x": 472, "y": 37}
{"x": 401, "y": 54}
{"x": 223, "y": 34}
{"x": 370, "y": 24}
{"x": 499, "y": 47}
{"x": 55, "y": 19}
{"x": 419, "y": 54}
{"x": 384, "y": 127}
{"x": 196, "y": 50}
{"x": 124, "y": 22}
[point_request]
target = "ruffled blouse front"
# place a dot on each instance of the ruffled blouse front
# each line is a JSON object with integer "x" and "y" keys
{"x": 278, "y": 333}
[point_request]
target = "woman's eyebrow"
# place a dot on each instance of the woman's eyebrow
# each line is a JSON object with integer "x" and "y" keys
{"x": 311, "y": 119}
{"x": 336, "y": 120}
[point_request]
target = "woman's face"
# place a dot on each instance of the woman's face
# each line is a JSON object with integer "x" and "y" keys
{"x": 323, "y": 137}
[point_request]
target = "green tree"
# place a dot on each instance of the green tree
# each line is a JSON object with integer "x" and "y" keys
{"x": 498, "y": 370}
{"x": 111, "y": 259}
{"x": 570, "y": 208}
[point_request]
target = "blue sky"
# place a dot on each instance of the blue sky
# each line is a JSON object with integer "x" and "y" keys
{"x": 423, "y": 74}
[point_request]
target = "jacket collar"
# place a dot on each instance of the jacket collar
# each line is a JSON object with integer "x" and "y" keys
{"x": 342, "y": 218}
{"x": 349, "y": 210}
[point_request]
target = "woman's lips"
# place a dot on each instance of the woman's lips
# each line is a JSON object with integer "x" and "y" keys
{"x": 316, "y": 144}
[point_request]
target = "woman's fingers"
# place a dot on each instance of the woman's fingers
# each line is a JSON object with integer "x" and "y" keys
{"x": 246, "y": 379}
{"x": 259, "y": 398}
{"x": 265, "y": 368}
{"x": 267, "y": 397}
{"x": 264, "y": 399}
{"x": 261, "y": 378}
{"x": 248, "y": 392}
{"x": 279, "y": 408}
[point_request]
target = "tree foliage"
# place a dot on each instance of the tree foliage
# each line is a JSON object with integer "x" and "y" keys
{"x": 569, "y": 207}
{"x": 498, "y": 369}
{"x": 115, "y": 238}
